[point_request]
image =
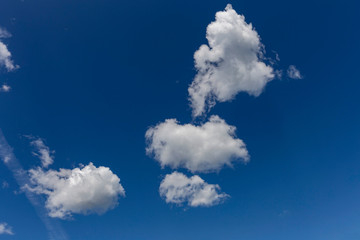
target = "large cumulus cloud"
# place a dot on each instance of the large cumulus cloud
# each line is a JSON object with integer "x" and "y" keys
{"x": 204, "y": 148}
{"x": 232, "y": 62}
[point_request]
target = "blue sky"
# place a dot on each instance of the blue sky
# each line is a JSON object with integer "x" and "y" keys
{"x": 90, "y": 78}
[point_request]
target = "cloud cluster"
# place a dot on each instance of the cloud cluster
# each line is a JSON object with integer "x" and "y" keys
{"x": 232, "y": 62}
{"x": 293, "y": 72}
{"x": 5, "y": 229}
{"x": 204, "y": 148}
{"x": 179, "y": 189}
{"x": 5, "y": 55}
{"x": 83, "y": 190}
{"x": 43, "y": 152}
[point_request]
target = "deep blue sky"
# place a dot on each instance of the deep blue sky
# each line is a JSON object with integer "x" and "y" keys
{"x": 94, "y": 75}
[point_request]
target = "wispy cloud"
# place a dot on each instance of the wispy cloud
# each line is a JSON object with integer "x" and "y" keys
{"x": 294, "y": 73}
{"x": 6, "y": 229}
{"x": 42, "y": 151}
{"x": 4, "y": 33}
{"x": 7, "y": 156}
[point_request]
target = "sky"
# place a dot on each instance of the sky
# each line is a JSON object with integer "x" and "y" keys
{"x": 179, "y": 120}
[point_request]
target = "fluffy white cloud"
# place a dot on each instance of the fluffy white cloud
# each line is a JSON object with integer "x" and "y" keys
{"x": 179, "y": 189}
{"x": 293, "y": 72}
{"x": 83, "y": 190}
{"x": 232, "y": 62}
{"x": 203, "y": 148}
{"x": 5, "y": 229}
{"x": 43, "y": 152}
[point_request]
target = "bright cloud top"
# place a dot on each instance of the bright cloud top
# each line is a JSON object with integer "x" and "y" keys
{"x": 179, "y": 189}
{"x": 293, "y": 72}
{"x": 5, "y": 229}
{"x": 229, "y": 64}
{"x": 203, "y": 148}
{"x": 83, "y": 190}
{"x": 43, "y": 152}
{"x": 5, "y": 54}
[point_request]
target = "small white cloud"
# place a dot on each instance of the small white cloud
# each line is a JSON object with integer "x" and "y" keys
{"x": 179, "y": 189}
{"x": 294, "y": 73}
{"x": 232, "y": 62}
{"x": 5, "y": 229}
{"x": 83, "y": 190}
{"x": 5, "y": 157}
{"x": 5, "y": 88}
{"x": 43, "y": 152}
{"x": 204, "y": 148}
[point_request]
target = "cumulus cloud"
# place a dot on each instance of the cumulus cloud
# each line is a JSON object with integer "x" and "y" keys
{"x": 204, "y": 148}
{"x": 43, "y": 152}
{"x": 179, "y": 189}
{"x": 83, "y": 190}
{"x": 232, "y": 62}
{"x": 5, "y": 54}
{"x": 5, "y": 229}
{"x": 293, "y": 72}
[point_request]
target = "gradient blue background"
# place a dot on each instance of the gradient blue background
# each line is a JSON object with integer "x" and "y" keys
{"x": 96, "y": 74}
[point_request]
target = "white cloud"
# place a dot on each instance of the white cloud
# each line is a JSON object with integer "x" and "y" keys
{"x": 179, "y": 189}
{"x": 83, "y": 190}
{"x": 43, "y": 152}
{"x": 203, "y": 148}
{"x": 5, "y": 54}
{"x": 5, "y": 88}
{"x": 232, "y": 62}
{"x": 5, "y": 229}
{"x": 293, "y": 72}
